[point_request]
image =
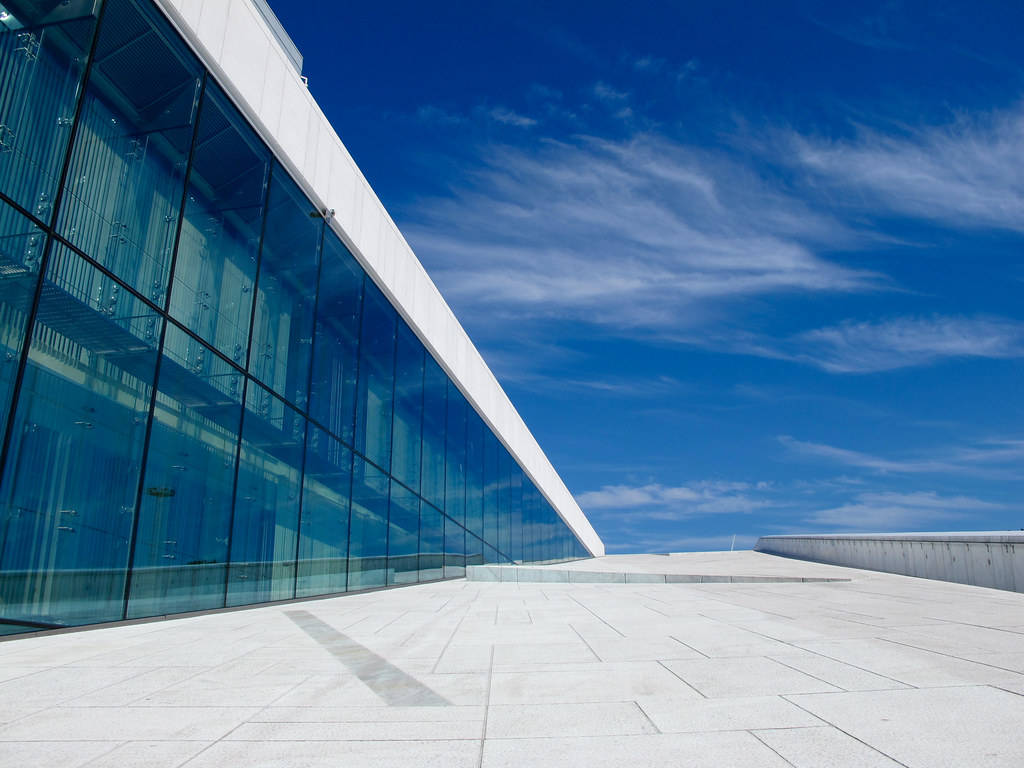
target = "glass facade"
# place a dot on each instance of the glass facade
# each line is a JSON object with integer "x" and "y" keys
{"x": 204, "y": 399}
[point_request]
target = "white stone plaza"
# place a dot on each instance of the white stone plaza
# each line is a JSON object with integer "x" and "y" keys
{"x": 880, "y": 670}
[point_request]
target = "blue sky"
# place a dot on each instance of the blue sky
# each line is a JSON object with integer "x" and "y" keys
{"x": 744, "y": 268}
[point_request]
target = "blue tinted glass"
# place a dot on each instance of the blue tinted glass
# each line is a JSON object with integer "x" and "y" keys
{"x": 491, "y": 486}
{"x": 80, "y": 424}
{"x": 376, "y": 377}
{"x": 407, "y": 429}
{"x": 128, "y": 164}
{"x": 282, "y": 333}
{"x": 515, "y": 547}
{"x": 335, "y": 347}
{"x": 474, "y": 473}
{"x": 491, "y": 554}
{"x": 403, "y": 535}
{"x": 474, "y": 550}
{"x": 21, "y": 247}
{"x": 454, "y": 549}
{"x": 505, "y": 463}
{"x": 455, "y": 456}
{"x": 323, "y": 528}
{"x": 264, "y": 536}
{"x": 368, "y": 533}
{"x": 435, "y": 387}
{"x": 181, "y": 544}
{"x": 431, "y": 543}
{"x": 42, "y": 59}
{"x": 215, "y": 270}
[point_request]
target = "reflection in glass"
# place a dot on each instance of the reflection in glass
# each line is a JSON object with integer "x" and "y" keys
{"x": 336, "y": 344}
{"x": 405, "y": 459}
{"x": 67, "y": 499}
{"x": 455, "y": 456}
{"x": 491, "y": 486}
{"x": 214, "y": 273}
{"x": 474, "y": 473}
{"x": 368, "y": 533}
{"x": 435, "y": 388}
{"x": 21, "y": 248}
{"x": 454, "y": 549}
{"x": 403, "y": 535}
{"x": 282, "y": 333}
{"x": 127, "y": 170}
{"x": 181, "y": 544}
{"x": 264, "y": 536}
{"x": 431, "y": 543}
{"x": 42, "y": 60}
{"x": 323, "y": 528}
{"x": 376, "y": 377}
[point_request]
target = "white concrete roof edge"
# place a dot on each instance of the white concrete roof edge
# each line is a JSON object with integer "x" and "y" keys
{"x": 242, "y": 56}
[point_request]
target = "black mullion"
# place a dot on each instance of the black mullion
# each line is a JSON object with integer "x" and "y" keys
{"x": 245, "y": 382}
{"x": 309, "y": 389}
{"x": 44, "y": 260}
{"x": 133, "y": 539}
{"x": 355, "y": 405}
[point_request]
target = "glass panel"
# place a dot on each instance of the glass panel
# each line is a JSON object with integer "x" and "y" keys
{"x": 283, "y": 327}
{"x": 21, "y": 247}
{"x": 264, "y": 535}
{"x": 125, "y": 182}
{"x": 474, "y": 550}
{"x": 181, "y": 545}
{"x": 435, "y": 387}
{"x": 42, "y": 58}
{"x": 214, "y": 273}
{"x": 376, "y": 377}
{"x": 431, "y": 543}
{"x": 455, "y": 456}
{"x": 408, "y": 427}
{"x": 368, "y": 538}
{"x": 336, "y": 345}
{"x": 504, "y": 500}
{"x": 491, "y": 485}
{"x": 72, "y": 474}
{"x": 454, "y": 549}
{"x": 323, "y": 529}
{"x": 403, "y": 535}
{"x": 515, "y": 548}
{"x": 490, "y": 554}
{"x": 474, "y": 473}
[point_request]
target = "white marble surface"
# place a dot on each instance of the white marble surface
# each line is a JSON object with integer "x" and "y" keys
{"x": 881, "y": 670}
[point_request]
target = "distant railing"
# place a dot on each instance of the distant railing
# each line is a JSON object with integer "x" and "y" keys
{"x": 279, "y": 34}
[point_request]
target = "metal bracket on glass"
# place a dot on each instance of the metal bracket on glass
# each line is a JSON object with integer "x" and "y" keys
{"x": 28, "y": 45}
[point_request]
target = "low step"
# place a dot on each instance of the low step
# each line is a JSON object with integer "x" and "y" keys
{"x": 522, "y": 573}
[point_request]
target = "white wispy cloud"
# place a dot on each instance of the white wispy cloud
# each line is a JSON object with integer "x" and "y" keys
{"x": 882, "y": 512}
{"x": 655, "y": 501}
{"x": 979, "y": 458}
{"x": 901, "y": 342}
{"x": 967, "y": 173}
{"x": 509, "y": 117}
{"x": 638, "y": 233}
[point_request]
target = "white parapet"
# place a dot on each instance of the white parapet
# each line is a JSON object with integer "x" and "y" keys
{"x": 237, "y": 45}
{"x": 981, "y": 558}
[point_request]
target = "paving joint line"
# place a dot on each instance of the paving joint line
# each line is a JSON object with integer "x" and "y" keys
{"x": 833, "y": 725}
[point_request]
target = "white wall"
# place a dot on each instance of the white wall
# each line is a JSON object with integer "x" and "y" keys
{"x": 235, "y": 43}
